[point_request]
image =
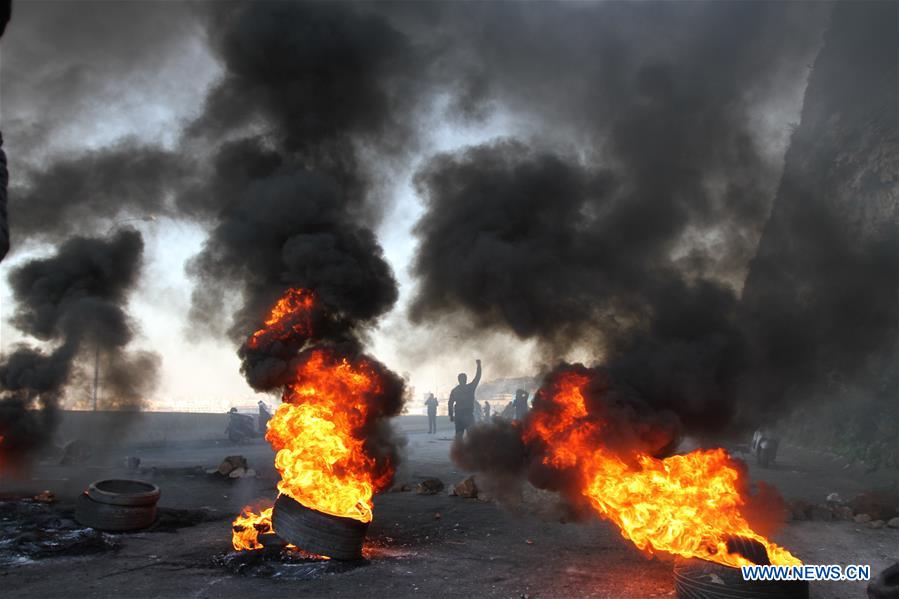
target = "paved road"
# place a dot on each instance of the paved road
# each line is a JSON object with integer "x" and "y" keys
{"x": 472, "y": 549}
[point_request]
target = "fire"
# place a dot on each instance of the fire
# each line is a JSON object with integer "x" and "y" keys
{"x": 247, "y": 527}
{"x": 317, "y": 434}
{"x": 319, "y": 430}
{"x": 291, "y": 316}
{"x": 685, "y": 505}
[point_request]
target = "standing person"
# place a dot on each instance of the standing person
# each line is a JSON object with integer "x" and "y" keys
{"x": 431, "y": 403}
{"x": 461, "y": 402}
{"x": 486, "y": 410}
{"x": 478, "y": 411}
{"x": 264, "y": 417}
{"x": 521, "y": 404}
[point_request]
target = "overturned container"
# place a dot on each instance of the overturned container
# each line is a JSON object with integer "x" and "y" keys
{"x": 316, "y": 532}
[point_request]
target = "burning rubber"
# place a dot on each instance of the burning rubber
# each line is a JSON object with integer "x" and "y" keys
{"x": 701, "y": 579}
{"x": 316, "y": 532}
{"x": 334, "y": 448}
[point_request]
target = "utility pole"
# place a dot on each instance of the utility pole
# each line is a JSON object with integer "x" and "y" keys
{"x": 146, "y": 219}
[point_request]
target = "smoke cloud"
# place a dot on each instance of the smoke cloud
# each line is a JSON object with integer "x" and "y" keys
{"x": 75, "y": 302}
{"x": 81, "y": 192}
{"x": 636, "y": 239}
{"x": 309, "y": 91}
{"x": 313, "y": 86}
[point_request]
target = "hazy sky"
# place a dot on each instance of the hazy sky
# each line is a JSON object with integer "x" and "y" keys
{"x": 76, "y": 76}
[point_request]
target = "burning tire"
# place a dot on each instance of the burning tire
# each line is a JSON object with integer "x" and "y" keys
{"x": 123, "y": 492}
{"x": 113, "y": 518}
{"x": 699, "y": 579}
{"x": 316, "y": 532}
{"x": 886, "y": 584}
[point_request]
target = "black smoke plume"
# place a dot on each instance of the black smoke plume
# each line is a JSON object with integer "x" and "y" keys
{"x": 314, "y": 85}
{"x": 81, "y": 192}
{"x": 74, "y": 302}
{"x": 308, "y": 89}
{"x": 636, "y": 242}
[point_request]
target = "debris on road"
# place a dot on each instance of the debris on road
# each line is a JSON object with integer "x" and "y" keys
{"x": 45, "y": 496}
{"x": 429, "y": 486}
{"x": 232, "y": 463}
{"x": 467, "y": 488}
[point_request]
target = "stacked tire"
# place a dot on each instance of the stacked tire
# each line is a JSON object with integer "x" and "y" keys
{"x": 118, "y": 505}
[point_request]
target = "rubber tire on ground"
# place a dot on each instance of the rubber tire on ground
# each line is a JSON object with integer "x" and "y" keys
{"x": 113, "y": 518}
{"x": 700, "y": 579}
{"x": 748, "y": 548}
{"x": 123, "y": 492}
{"x": 315, "y": 532}
{"x": 886, "y": 584}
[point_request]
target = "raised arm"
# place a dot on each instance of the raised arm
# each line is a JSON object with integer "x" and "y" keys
{"x": 477, "y": 376}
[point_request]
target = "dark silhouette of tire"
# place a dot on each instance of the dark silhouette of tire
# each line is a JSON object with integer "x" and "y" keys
{"x": 113, "y": 518}
{"x": 701, "y": 579}
{"x": 315, "y": 532}
{"x": 123, "y": 492}
{"x": 748, "y": 548}
{"x": 885, "y": 585}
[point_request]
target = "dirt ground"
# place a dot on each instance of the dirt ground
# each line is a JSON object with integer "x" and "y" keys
{"x": 418, "y": 546}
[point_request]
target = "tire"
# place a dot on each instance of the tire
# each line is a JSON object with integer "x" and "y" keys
{"x": 315, "y": 532}
{"x": 113, "y": 518}
{"x": 700, "y": 579}
{"x": 748, "y": 548}
{"x": 123, "y": 492}
{"x": 886, "y": 584}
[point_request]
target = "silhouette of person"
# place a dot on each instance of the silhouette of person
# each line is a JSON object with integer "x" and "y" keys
{"x": 431, "y": 403}
{"x": 264, "y": 416}
{"x": 461, "y": 402}
{"x": 521, "y": 404}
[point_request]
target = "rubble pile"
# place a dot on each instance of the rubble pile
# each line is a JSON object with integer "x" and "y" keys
{"x": 874, "y": 509}
{"x": 233, "y": 466}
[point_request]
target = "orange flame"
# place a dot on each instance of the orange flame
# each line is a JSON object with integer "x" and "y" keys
{"x": 685, "y": 505}
{"x": 318, "y": 430}
{"x": 317, "y": 434}
{"x": 247, "y": 527}
{"x": 291, "y": 316}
